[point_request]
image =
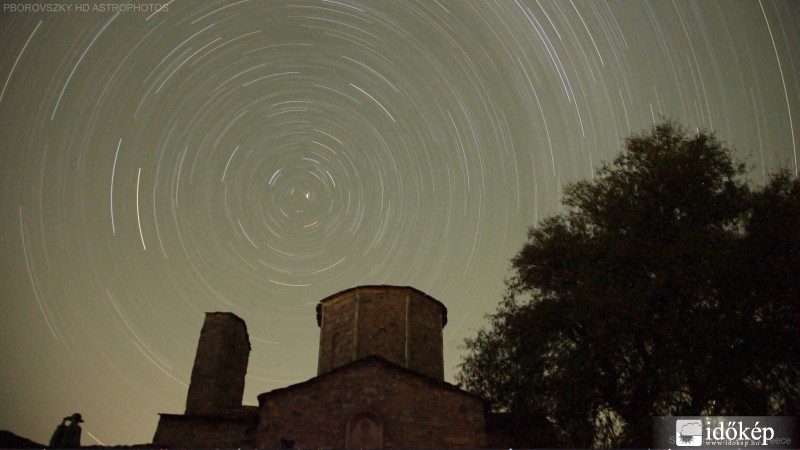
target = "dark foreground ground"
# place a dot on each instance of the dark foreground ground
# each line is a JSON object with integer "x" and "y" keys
{"x": 11, "y": 440}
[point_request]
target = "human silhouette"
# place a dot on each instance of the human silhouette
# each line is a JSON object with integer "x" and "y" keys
{"x": 67, "y": 435}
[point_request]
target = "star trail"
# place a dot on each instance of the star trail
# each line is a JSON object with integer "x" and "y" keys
{"x": 162, "y": 159}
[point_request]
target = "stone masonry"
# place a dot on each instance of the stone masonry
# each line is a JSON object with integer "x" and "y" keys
{"x": 214, "y": 414}
{"x": 220, "y": 365}
{"x": 403, "y": 325}
{"x": 380, "y": 383}
{"x": 415, "y": 411}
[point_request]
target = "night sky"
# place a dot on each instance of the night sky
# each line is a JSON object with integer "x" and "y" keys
{"x": 258, "y": 156}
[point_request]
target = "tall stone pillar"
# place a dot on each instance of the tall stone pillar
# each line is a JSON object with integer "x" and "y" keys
{"x": 220, "y": 365}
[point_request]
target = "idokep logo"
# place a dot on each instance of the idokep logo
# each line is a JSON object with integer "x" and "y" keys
{"x": 726, "y": 432}
{"x": 688, "y": 433}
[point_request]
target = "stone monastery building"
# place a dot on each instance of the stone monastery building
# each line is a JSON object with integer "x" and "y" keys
{"x": 380, "y": 383}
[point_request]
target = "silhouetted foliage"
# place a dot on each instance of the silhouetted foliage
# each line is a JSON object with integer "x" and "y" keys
{"x": 669, "y": 286}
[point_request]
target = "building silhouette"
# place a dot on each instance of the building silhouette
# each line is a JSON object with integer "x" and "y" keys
{"x": 380, "y": 383}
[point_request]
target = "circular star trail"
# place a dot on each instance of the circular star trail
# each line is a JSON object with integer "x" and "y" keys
{"x": 164, "y": 159}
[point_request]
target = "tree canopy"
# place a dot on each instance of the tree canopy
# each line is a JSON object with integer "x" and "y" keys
{"x": 668, "y": 285}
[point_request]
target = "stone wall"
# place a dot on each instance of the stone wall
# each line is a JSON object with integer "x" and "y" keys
{"x": 383, "y": 400}
{"x": 236, "y": 429}
{"x": 400, "y": 324}
{"x": 337, "y": 332}
{"x": 426, "y": 320}
{"x": 382, "y": 325}
{"x": 380, "y": 383}
{"x": 220, "y": 366}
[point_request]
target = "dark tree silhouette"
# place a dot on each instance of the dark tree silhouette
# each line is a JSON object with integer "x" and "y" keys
{"x": 668, "y": 286}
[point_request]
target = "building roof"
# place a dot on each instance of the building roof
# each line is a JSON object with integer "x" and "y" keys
{"x": 244, "y": 413}
{"x": 370, "y": 361}
{"x": 384, "y": 287}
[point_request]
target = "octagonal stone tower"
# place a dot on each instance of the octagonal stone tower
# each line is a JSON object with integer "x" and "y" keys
{"x": 401, "y": 324}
